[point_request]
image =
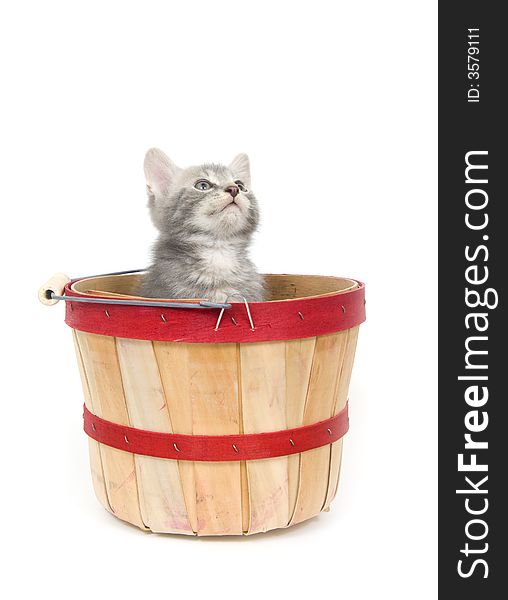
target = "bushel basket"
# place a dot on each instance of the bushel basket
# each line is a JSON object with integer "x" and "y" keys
{"x": 214, "y": 419}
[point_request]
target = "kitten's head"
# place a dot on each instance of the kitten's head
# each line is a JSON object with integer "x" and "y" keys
{"x": 210, "y": 199}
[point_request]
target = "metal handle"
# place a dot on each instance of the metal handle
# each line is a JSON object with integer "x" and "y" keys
{"x": 52, "y": 292}
{"x": 202, "y": 304}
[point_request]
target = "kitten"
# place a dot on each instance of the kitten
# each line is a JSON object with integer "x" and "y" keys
{"x": 206, "y": 216}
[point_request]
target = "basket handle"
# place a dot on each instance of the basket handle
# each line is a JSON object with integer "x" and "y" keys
{"x": 53, "y": 291}
{"x": 54, "y": 286}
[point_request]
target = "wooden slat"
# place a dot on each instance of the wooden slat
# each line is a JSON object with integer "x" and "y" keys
{"x": 105, "y": 383}
{"x": 315, "y": 464}
{"x": 299, "y": 354}
{"x": 173, "y": 366}
{"x": 244, "y": 479}
{"x": 160, "y": 491}
{"x": 340, "y": 403}
{"x": 263, "y": 382}
{"x": 215, "y": 411}
{"x": 99, "y": 485}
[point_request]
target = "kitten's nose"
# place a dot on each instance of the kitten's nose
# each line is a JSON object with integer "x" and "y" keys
{"x": 232, "y": 189}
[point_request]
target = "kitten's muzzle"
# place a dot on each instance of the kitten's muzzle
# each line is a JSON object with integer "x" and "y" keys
{"x": 233, "y": 190}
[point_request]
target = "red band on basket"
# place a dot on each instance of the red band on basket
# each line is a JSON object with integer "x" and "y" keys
{"x": 275, "y": 320}
{"x": 247, "y": 446}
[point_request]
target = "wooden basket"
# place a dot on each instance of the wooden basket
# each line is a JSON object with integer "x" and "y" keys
{"x": 181, "y": 372}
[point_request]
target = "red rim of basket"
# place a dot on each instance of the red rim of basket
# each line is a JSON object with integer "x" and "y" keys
{"x": 275, "y": 320}
{"x": 217, "y": 448}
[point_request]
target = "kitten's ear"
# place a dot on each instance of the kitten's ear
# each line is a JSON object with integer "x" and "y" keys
{"x": 160, "y": 172}
{"x": 240, "y": 167}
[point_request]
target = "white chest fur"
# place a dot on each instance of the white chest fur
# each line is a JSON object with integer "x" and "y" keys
{"x": 220, "y": 261}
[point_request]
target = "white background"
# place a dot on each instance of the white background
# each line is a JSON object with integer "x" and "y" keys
{"x": 335, "y": 102}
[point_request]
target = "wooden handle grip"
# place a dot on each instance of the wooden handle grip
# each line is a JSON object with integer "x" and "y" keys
{"x": 56, "y": 285}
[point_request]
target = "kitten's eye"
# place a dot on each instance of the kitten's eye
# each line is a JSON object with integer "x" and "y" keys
{"x": 203, "y": 185}
{"x": 241, "y": 186}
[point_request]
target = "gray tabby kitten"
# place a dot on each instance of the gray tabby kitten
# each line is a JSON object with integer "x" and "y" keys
{"x": 206, "y": 216}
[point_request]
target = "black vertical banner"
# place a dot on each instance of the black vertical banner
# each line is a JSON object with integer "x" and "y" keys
{"x": 473, "y": 331}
